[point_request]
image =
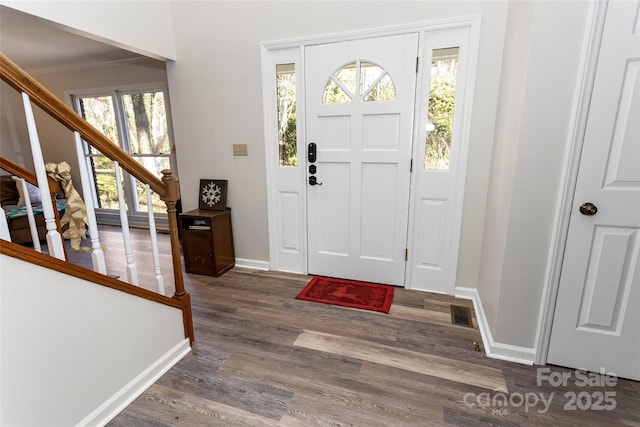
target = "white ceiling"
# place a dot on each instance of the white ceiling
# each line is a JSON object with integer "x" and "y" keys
{"x": 34, "y": 43}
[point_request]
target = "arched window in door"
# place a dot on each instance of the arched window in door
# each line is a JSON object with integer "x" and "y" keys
{"x": 361, "y": 79}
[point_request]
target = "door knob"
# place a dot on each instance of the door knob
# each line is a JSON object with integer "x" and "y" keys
{"x": 314, "y": 181}
{"x": 588, "y": 209}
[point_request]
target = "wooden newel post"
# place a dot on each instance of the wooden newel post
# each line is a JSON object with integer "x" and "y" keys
{"x": 173, "y": 194}
{"x": 170, "y": 199}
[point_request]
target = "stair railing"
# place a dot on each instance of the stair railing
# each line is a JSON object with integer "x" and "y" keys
{"x": 167, "y": 187}
{"x": 25, "y": 177}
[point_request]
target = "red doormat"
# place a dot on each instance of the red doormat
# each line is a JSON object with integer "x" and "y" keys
{"x": 347, "y": 293}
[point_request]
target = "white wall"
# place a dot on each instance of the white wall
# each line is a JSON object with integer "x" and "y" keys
{"x": 530, "y": 148}
{"x": 139, "y": 26}
{"x": 512, "y": 87}
{"x": 215, "y": 85}
{"x": 67, "y": 346}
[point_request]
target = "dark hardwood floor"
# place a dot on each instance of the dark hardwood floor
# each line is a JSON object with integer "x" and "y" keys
{"x": 112, "y": 245}
{"x": 263, "y": 358}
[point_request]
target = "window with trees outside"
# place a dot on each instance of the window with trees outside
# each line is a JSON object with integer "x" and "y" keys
{"x": 286, "y": 99}
{"x": 137, "y": 122}
{"x": 442, "y": 99}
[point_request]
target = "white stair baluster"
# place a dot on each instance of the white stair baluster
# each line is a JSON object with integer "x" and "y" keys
{"x": 54, "y": 239}
{"x": 4, "y": 227}
{"x": 154, "y": 243}
{"x": 30, "y": 217}
{"x": 97, "y": 254}
{"x": 132, "y": 270}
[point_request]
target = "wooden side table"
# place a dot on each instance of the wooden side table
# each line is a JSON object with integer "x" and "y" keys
{"x": 207, "y": 241}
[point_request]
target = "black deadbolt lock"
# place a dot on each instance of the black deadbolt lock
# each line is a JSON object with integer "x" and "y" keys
{"x": 311, "y": 155}
{"x": 312, "y": 169}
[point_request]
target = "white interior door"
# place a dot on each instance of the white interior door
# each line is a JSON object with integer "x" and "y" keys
{"x": 597, "y": 318}
{"x": 359, "y": 109}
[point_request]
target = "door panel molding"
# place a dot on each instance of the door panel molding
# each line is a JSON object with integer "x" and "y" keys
{"x": 364, "y": 167}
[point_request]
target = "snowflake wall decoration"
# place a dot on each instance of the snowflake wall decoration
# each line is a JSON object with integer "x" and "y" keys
{"x": 213, "y": 194}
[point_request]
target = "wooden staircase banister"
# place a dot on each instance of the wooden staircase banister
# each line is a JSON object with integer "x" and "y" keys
{"x": 15, "y": 169}
{"x": 43, "y": 98}
{"x": 167, "y": 188}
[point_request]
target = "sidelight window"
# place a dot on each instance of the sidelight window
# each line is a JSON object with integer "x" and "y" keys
{"x": 286, "y": 100}
{"x": 442, "y": 97}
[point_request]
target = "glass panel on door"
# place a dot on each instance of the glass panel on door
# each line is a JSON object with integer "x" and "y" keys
{"x": 286, "y": 104}
{"x": 442, "y": 97}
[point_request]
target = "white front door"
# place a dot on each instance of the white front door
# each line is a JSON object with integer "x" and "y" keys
{"x": 597, "y": 320}
{"x": 359, "y": 109}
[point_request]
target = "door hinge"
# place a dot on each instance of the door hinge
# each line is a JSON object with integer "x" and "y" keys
{"x": 417, "y": 63}
{"x": 406, "y": 254}
{"x": 411, "y": 166}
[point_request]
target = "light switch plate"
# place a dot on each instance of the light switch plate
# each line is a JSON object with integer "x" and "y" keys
{"x": 240, "y": 150}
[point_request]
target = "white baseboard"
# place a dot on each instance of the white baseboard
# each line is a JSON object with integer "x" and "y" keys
{"x": 116, "y": 404}
{"x": 496, "y": 350}
{"x": 253, "y": 263}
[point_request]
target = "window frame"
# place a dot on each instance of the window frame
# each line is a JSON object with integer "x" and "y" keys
{"x": 137, "y": 217}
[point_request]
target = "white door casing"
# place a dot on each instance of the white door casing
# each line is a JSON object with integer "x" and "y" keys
{"x": 357, "y": 218}
{"x": 596, "y": 319}
{"x": 287, "y": 188}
